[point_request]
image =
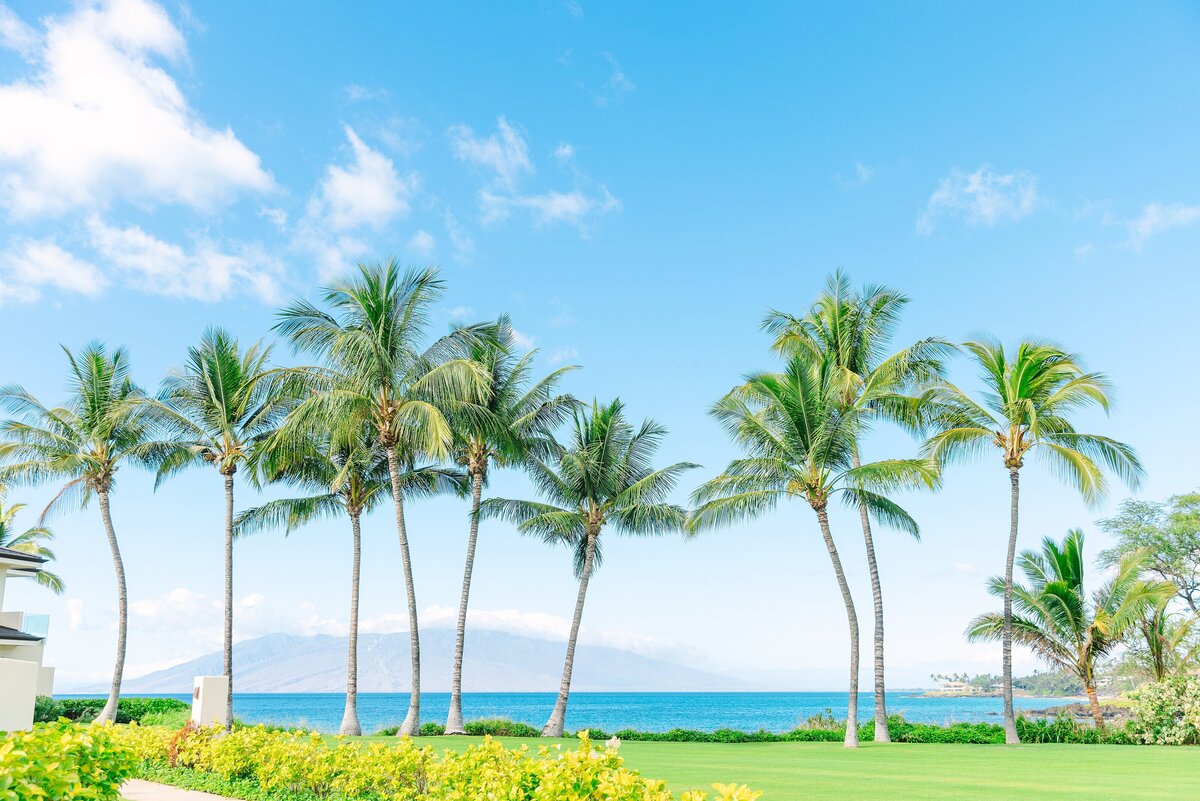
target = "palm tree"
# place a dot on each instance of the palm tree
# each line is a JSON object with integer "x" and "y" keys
{"x": 798, "y": 437}
{"x": 212, "y": 411}
{"x": 1057, "y": 619}
{"x": 602, "y": 478}
{"x": 1168, "y": 643}
{"x": 343, "y": 471}
{"x": 377, "y": 373}
{"x": 854, "y": 329}
{"x": 517, "y": 421}
{"x": 1026, "y": 406}
{"x": 82, "y": 443}
{"x": 31, "y": 541}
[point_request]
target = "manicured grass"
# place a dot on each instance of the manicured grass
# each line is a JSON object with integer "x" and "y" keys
{"x": 911, "y": 772}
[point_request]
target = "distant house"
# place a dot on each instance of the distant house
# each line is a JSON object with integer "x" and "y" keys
{"x": 959, "y": 687}
{"x": 22, "y": 639}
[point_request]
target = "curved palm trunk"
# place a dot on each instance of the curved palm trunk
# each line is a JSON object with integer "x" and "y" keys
{"x": 454, "y": 720}
{"x": 851, "y": 740}
{"x": 109, "y": 713}
{"x": 1010, "y": 722}
{"x": 350, "y": 724}
{"x": 558, "y": 718}
{"x": 412, "y": 721}
{"x": 882, "y": 735}
{"x": 229, "y": 598}
{"x": 1094, "y": 701}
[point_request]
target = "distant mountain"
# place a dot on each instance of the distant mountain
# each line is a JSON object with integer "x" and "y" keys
{"x": 495, "y": 661}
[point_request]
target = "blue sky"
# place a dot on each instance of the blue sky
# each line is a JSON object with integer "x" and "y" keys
{"x": 636, "y": 184}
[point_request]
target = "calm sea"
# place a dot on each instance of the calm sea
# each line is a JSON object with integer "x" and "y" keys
{"x": 612, "y": 711}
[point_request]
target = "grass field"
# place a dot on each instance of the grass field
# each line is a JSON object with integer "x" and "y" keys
{"x": 903, "y": 772}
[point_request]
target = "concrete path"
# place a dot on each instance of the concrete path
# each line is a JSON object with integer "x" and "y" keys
{"x": 138, "y": 790}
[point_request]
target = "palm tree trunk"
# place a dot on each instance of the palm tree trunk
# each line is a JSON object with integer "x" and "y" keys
{"x": 350, "y": 724}
{"x": 852, "y": 619}
{"x": 1090, "y": 689}
{"x": 1010, "y": 721}
{"x": 558, "y": 718}
{"x": 229, "y": 598}
{"x": 109, "y": 713}
{"x": 412, "y": 721}
{"x": 882, "y": 735}
{"x": 454, "y": 720}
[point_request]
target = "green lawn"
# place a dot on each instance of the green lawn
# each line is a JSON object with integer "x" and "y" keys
{"x": 902, "y": 772}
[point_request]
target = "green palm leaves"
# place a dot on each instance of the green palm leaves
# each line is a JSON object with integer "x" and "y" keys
{"x": 31, "y": 541}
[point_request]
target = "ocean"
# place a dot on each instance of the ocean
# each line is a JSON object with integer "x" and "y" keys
{"x": 772, "y": 711}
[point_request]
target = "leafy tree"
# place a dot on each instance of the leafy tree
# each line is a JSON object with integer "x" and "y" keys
{"x": 1170, "y": 531}
{"x": 377, "y": 372}
{"x": 1028, "y": 399}
{"x": 798, "y": 437}
{"x": 1057, "y": 619}
{"x": 82, "y": 443}
{"x": 31, "y": 541}
{"x": 603, "y": 479}
{"x": 854, "y": 331}
{"x": 513, "y": 422}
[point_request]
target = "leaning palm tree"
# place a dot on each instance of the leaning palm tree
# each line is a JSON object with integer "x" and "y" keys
{"x": 603, "y": 478}
{"x": 1059, "y": 621}
{"x": 513, "y": 422}
{"x": 212, "y": 411}
{"x": 82, "y": 443}
{"x": 343, "y": 471}
{"x": 854, "y": 330}
{"x": 798, "y": 437}
{"x": 376, "y": 372}
{"x": 31, "y": 541}
{"x": 1029, "y": 397}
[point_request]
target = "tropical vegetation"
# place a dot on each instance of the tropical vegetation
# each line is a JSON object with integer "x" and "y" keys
{"x": 32, "y": 541}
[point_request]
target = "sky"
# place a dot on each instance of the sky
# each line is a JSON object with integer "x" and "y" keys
{"x": 636, "y": 184}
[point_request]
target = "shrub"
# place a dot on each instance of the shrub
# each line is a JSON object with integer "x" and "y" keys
{"x": 1167, "y": 712}
{"x": 500, "y": 727}
{"x": 63, "y": 760}
{"x": 129, "y": 710}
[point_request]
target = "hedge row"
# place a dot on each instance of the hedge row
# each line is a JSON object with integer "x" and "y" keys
{"x": 85, "y": 710}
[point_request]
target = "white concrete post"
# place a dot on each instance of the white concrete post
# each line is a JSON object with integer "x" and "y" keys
{"x": 18, "y": 688}
{"x": 209, "y": 700}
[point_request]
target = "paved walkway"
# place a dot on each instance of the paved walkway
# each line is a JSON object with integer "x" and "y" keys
{"x": 138, "y": 790}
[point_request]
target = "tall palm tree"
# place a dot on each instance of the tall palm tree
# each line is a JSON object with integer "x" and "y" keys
{"x": 1057, "y": 619}
{"x": 376, "y": 372}
{"x": 212, "y": 411}
{"x": 515, "y": 421}
{"x": 854, "y": 330}
{"x": 603, "y": 478}
{"x": 83, "y": 444}
{"x": 1028, "y": 399}
{"x": 798, "y": 437}
{"x": 32, "y": 541}
{"x": 343, "y": 471}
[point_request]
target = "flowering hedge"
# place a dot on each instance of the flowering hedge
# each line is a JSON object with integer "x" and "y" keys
{"x": 63, "y": 760}
{"x": 289, "y": 762}
{"x": 1168, "y": 712}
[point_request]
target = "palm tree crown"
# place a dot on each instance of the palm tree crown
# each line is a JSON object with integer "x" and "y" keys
{"x": 31, "y": 541}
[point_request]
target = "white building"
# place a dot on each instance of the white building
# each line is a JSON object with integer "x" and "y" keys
{"x": 22, "y": 676}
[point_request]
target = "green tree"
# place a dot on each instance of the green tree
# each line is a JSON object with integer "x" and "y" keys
{"x": 1170, "y": 531}
{"x": 1057, "y": 619}
{"x": 854, "y": 330}
{"x": 31, "y": 541}
{"x": 212, "y": 411}
{"x": 375, "y": 371}
{"x": 798, "y": 437}
{"x": 602, "y": 479}
{"x": 1026, "y": 406}
{"x": 343, "y": 471}
{"x": 83, "y": 444}
{"x": 514, "y": 422}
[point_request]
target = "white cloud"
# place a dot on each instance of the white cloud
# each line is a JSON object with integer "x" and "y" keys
{"x": 1157, "y": 218}
{"x": 366, "y": 192}
{"x": 1084, "y": 251}
{"x": 564, "y": 152}
{"x": 422, "y": 243}
{"x": 75, "y": 608}
{"x": 573, "y": 208}
{"x": 464, "y": 244}
{"x": 357, "y": 94}
{"x": 277, "y": 217}
{"x": 461, "y": 312}
{"x": 523, "y": 341}
{"x": 504, "y": 152}
{"x": 29, "y": 265}
{"x": 617, "y": 86}
{"x": 99, "y": 118}
{"x": 964, "y": 567}
{"x": 573, "y": 8}
{"x": 562, "y": 355}
{"x": 984, "y": 197}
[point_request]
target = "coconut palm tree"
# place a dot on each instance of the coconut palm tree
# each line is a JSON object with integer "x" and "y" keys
{"x": 82, "y": 444}
{"x": 343, "y": 471}
{"x": 854, "y": 330}
{"x": 1059, "y": 621}
{"x": 798, "y": 437}
{"x": 518, "y": 417}
{"x": 1165, "y": 642}
{"x": 602, "y": 479}
{"x": 376, "y": 371}
{"x": 1028, "y": 399}
{"x": 31, "y": 540}
{"x": 212, "y": 411}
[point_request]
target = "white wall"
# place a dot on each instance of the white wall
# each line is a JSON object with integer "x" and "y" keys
{"x": 18, "y": 688}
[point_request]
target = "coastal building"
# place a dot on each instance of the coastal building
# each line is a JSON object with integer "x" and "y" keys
{"x": 959, "y": 687}
{"x": 22, "y": 640}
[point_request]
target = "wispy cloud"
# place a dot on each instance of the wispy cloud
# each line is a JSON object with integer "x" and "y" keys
{"x": 616, "y": 87}
{"x": 505, "y": 152}
{"x": 461, "y": 240}
{"x": 574, "y": 208}
{"x": 980, "y": 198}
{"x": 29, "y": 265}
{"x": 1157, "y": 218}
{"x": 421, "y": 243}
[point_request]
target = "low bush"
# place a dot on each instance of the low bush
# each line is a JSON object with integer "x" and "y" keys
{"x": 63, "y": 761}
{"x": 85, "y": 710}
{"x": 1167, "y": 712}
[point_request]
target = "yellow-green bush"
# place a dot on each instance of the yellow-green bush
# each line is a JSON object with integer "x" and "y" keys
{"x": 63, "y": 760}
